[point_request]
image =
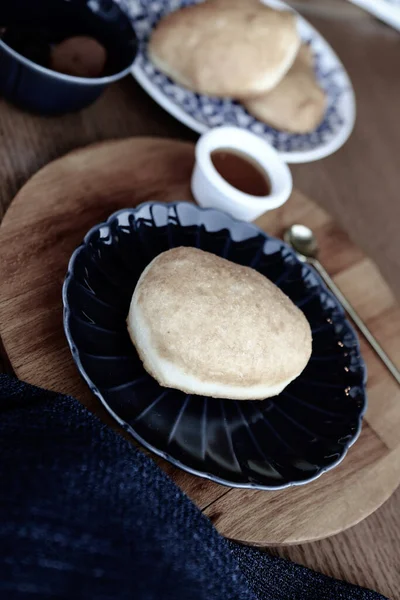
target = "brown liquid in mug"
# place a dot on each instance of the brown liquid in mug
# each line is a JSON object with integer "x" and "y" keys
{"x": 241, "y": 171}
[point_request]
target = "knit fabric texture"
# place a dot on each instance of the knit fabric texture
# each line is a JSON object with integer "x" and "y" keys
{"x": 86, "y": 515}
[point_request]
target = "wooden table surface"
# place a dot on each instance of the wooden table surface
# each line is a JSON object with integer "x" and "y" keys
{"x": 359, "y": 185}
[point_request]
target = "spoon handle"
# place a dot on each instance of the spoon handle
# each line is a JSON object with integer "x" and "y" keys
{"x": 356, "y": 319}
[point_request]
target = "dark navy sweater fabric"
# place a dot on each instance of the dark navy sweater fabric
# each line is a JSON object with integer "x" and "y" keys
{"x": 84, "y": 515}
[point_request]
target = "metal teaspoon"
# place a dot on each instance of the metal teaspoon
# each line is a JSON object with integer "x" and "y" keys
{"x": 304, "y": 243}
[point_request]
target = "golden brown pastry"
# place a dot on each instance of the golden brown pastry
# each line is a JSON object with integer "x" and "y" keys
{"x": 297, "y": 104}
{"x": 207, "y": 326}
{"x": 226, "y": 48}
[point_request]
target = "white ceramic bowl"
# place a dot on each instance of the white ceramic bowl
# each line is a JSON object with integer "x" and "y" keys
{"x": 210, "y": 189}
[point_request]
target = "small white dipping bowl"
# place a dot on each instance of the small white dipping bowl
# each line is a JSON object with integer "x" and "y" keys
{"x": 211, "y": 190}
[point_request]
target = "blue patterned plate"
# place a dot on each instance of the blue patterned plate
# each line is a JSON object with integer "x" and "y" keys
{"x": 204, "y": 112}
{"x": 287, "y": 440}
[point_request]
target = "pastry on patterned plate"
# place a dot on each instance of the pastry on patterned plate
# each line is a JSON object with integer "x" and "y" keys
{"x": 226, "y": 48}
{"x": 297, "y": 104}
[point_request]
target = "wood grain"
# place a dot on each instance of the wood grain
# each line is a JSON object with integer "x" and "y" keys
{"x": 358, "y": 185}
{"x": 64, "y": 200}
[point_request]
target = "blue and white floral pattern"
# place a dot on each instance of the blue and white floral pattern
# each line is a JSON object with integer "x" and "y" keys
{"x": 203, "y": 112}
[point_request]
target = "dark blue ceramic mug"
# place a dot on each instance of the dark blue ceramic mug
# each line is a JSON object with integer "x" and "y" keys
{"x": 34, "y": 86}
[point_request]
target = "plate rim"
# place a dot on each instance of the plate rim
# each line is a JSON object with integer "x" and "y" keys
{"x": 387, "y": 12}
{"x": 175, "y": 462}
{"x": 297, "y": 157}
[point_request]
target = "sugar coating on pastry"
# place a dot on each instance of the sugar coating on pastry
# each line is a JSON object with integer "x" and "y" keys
{"x": 207, "y": 326}
{"x": 297, "y": 104}
{"x": 226, "y": 49}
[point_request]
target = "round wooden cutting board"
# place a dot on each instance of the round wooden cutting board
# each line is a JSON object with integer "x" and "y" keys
{"x": 49, "y": 218}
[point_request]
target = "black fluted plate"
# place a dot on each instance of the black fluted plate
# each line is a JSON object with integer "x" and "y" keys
{"x": 269, "y": 444}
